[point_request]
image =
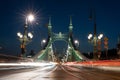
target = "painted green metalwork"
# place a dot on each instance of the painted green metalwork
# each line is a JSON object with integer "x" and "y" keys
{"x": 73, "y": 55}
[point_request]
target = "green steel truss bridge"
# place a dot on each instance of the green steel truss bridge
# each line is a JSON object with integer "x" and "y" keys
{"x": 72, "y": 54}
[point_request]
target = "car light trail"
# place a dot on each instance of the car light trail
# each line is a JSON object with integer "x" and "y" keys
{"x": 28, "y": 64}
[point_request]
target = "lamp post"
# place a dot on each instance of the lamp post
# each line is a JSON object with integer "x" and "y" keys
{"x": 93, "y": 38}
{"x": 96, "y": 41}
{"x": 76, "y": 42}
{"x": 43, "y": 42}
{"x": 26, "y": 37}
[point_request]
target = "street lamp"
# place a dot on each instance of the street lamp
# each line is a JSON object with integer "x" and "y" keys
{"x": 26, "y": 37}
{"x": 100, "y": 36}
{"x": 93, "y": 38}
{"x": 90, "y": 36}
{"x": 76, "y": 42}
{"x": 30, "y": 17}
{"x": 96, "y": 41}
{"x": 43, "y": 42}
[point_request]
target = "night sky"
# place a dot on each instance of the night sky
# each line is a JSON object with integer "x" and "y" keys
{"x": 12, "y": 19}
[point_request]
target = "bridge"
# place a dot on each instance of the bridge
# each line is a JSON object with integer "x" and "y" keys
{"x": 72, "y": 53}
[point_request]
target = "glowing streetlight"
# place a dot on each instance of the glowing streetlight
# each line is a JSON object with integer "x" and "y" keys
{"x": 90, "y": 36}
{"x": 43, "y": 42}
{"x": 76, "y": 42}
{"x": 30, "y": 35}
{"x": 19, "y": 35}
{"x": 30, "y": 17}
{"x": 100, "y": 36}
{"x": 25, "y": 37}
{"x": 96, "y": 41}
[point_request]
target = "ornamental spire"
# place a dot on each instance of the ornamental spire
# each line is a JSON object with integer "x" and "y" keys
{"x": 70, "y": 20}
{"x": 70, "y": 25}
{"x": 49, "y": 24}
{"x": 49, "y": 27}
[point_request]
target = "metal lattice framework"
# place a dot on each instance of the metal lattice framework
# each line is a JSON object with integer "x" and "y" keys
{"x": 71, "y": 54}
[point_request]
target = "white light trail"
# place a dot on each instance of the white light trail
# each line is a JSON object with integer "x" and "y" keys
{"x": 28, "y": 64}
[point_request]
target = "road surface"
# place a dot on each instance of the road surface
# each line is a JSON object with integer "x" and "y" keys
{"x": 58, "y": 72}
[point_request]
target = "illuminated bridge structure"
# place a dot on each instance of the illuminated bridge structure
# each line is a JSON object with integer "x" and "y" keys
{"x": 72, "y": 53}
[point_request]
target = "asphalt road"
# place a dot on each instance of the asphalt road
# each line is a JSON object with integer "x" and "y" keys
{"x": 58, "y": 72}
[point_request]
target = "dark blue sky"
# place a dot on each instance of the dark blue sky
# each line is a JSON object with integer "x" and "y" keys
{"x": 12, "y": 20}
